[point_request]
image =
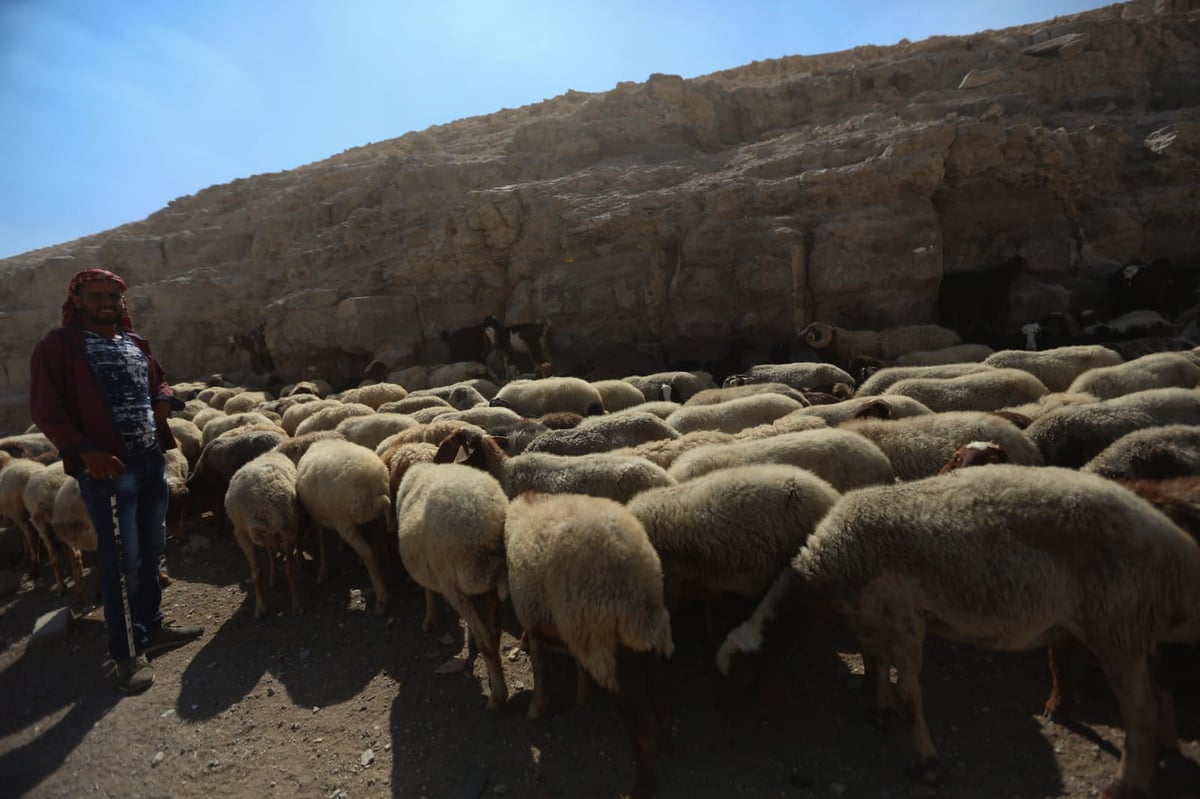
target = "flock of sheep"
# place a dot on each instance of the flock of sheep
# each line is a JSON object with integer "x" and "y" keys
{"x": 1012, "y": 499}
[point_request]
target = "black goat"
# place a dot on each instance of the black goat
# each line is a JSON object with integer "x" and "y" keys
{"x": 255, "y": 343}
{"x": 526, "y": 346}
{"x": 474, "y": 343}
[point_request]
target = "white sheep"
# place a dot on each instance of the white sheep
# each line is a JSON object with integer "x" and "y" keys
{"x": 188, "y": 436}
{"x": 293, "y": 416}
{"x": 918, "y": 446}
{"x": 13, "y": 478}
{"x": 731, "y": 531}
{"x": 1072, "y": 435}
{"x": 485, "y": 416}
{"x": 958, "y": 353}
{"x": 603, "y": 434}
{"x": 794, "y": 422}
{"x": 980, "y": 391}
{"x": 987, "y": 555}
{"x": 532, "y": 398}
{"x": 447, "y": 374}
{"x": 618, "y": 394}
{"x": 262, "y": 504}
{"x": 840, "y": 345}
{"x": 713, "y": 396}
{"x": 344, "y": 487}
{"x": 217, "y": 396}
{"x": 844, "y": 459}
{"x": 1157, "y": 370}
{"x": 733, "y": 415}
{"x": 368, "y": 430}
{"x": 330, "y": 418}
{"x": 1057, "y": 367}
{"x": 881, "y": 406}
{"x": 616, "y": 477}
{"x": 450, "y": 527}
{"x": 881, "y": 380}
{"x": 803, "y": 376}
{"x": 415, "y": 402}
{"x": 73, "y": 528}
{"x": 582, "y": 570}
{"x": 460, "y": 396}
{"x": 245, "y": 401}
{"x": 374, "y": 395}
{"x": 660, "y": 408}
{"x": 1157, "y": 453}
{"x": 666, "y": 451}
{"x": 38, "y": 496}
{"x": 674, "y": 386}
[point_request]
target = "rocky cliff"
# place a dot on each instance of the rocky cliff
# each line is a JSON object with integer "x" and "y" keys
{"x": 689, "y": 221}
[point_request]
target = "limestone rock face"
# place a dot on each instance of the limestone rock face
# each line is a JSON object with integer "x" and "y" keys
{"x": 684, "y": 221}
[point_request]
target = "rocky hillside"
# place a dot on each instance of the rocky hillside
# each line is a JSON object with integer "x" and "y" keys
{"x": 980, "y": 181}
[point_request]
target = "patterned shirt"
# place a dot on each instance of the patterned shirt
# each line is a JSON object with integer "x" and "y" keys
{"x": 123, "y": 373}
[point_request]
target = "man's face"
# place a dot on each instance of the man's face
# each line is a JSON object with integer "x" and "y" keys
{"x": 100, "y": 301}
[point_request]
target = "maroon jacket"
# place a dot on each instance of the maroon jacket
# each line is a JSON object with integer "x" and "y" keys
{"x": 66, "y": 403}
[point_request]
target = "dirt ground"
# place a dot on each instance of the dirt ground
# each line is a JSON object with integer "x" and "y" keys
{"x": 341, "y": 703}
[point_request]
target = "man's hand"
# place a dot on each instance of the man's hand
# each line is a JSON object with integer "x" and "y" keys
{"x": 102, "y": 465}
{"x": 162, "y": 410}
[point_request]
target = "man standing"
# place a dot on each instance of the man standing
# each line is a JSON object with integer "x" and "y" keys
{"x": 99, "y": 395}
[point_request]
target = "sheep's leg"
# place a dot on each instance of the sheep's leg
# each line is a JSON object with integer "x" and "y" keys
{"x": 272, "y": 546}
{"x": 354, "y": 537}
{"x": 1060, "y": 705}
{"x": 537, "y": 665}
{"x": 430, "y": 622}
{"x": 906, "y": 654}
{"x": 1137, "y": 696}
{"x": 75, "y": 560}
{"x": 48, "y": 538}
{"x": 487, "y": 639}
{"x": 640, "y": 726}
{"x": 33, "y": 552}
{"x": 289, "y": 569}
{"x": 260, "y": 602}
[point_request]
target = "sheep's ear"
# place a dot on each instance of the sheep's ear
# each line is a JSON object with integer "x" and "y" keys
{"x": 461, "y": 455}
{"x": 874, "y": 409}
{"x": 448, "y": 451}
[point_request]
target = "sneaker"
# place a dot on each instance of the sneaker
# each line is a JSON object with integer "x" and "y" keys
{"x": 171, "y": 635}
{"x": 134, "y": 674}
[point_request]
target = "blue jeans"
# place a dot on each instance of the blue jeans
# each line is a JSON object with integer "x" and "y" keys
{"x": 142, "y": 512}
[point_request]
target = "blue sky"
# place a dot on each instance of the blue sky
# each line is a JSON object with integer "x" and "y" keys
{"x": 109, "y": 109}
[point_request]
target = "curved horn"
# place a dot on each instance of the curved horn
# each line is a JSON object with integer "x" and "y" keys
{"x": 818, "y": 335}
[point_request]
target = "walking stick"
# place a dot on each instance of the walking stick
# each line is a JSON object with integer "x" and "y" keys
{"x": 112, "y": 503}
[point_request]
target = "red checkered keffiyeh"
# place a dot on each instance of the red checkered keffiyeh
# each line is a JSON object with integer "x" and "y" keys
{"x": 71, "y": 314}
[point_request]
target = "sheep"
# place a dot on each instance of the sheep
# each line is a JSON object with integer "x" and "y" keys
{"x": 1071, "y": 436}
{"x": 374, "y": 395}
{"x": 1159, "y": 370}
{"x": 245, "y": 401}
{"x": 296, "y": 446}
{"x": 918, "y": 446}
{"x": 802, "y": 376}
{"x": 793, "y": 422}
{"x": 30, "y": 445}
{"x": 582, "y": 570}
{"x": 14, "y": 477}
{"x": 713, "y": 396}
{"x": 459, "y": 396}
{"x": 293, "y": 416}
{"x": 223, "y": 456}
{"x": 188, "y": 436}
{"x": 447, "y": 374}
{"x": 73, "y": 527}
{"x": 38, "y": 496}
{"x": 673, "y": 386}
{"x": 1137, "y": 347}
{"x": 450, "y": 528}
{"x": 486, "y": 416}
{"x": 602, "y": 475}
{"x": 844, "y": 459}
{"x": 1057, "y": 368}
{"x": 312, "y": 376}
{"x": 562, "y": 420}
{"x": 432, "y": 433}
{"x": 427, "y": 415}
{"x": 839, "y": 345}
{"x": 958, "y": 353}
{"x": 604, "y": 433}
{"x": 330, "y": 418}
{"x": 217, "y": 396}
{"x": 1027, "y": 414}
{"x": 731, "y": 531}
{"x": 261, "y": 501}
{"x": 369, "y": 429}
{"x": 618, "y": 394}
{"x": 226, "y": 423}
{"x": 414, "y": 402}
{"x": 312, "y": 388}
{"x": 976, "y": 453}
{"x": 1157, "y": 453}
{"x": 532, "y": 398}
{"x": 400, "y": 458}
{"x": 205, "y": 416}
{"x": 518, "y": 436}
{"x": 190, "y": 408}
{"x": 882, "y": 406}
{"x": 666, "y": 451}
{"x": 982, "y": 391}
{"x": 344, "y": 487}
{"x": 987, "y": 556}
{"x": 486, "y": 387}
{"x": 733, "y": 415}
{"x": 877, "y": 383}
{"x": 660, "y": 408}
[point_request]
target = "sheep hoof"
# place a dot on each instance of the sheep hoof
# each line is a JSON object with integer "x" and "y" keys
{"x": 1057, "y": 711}
{"x": 925, "y": 771}
{"x": 496, "y": 703}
